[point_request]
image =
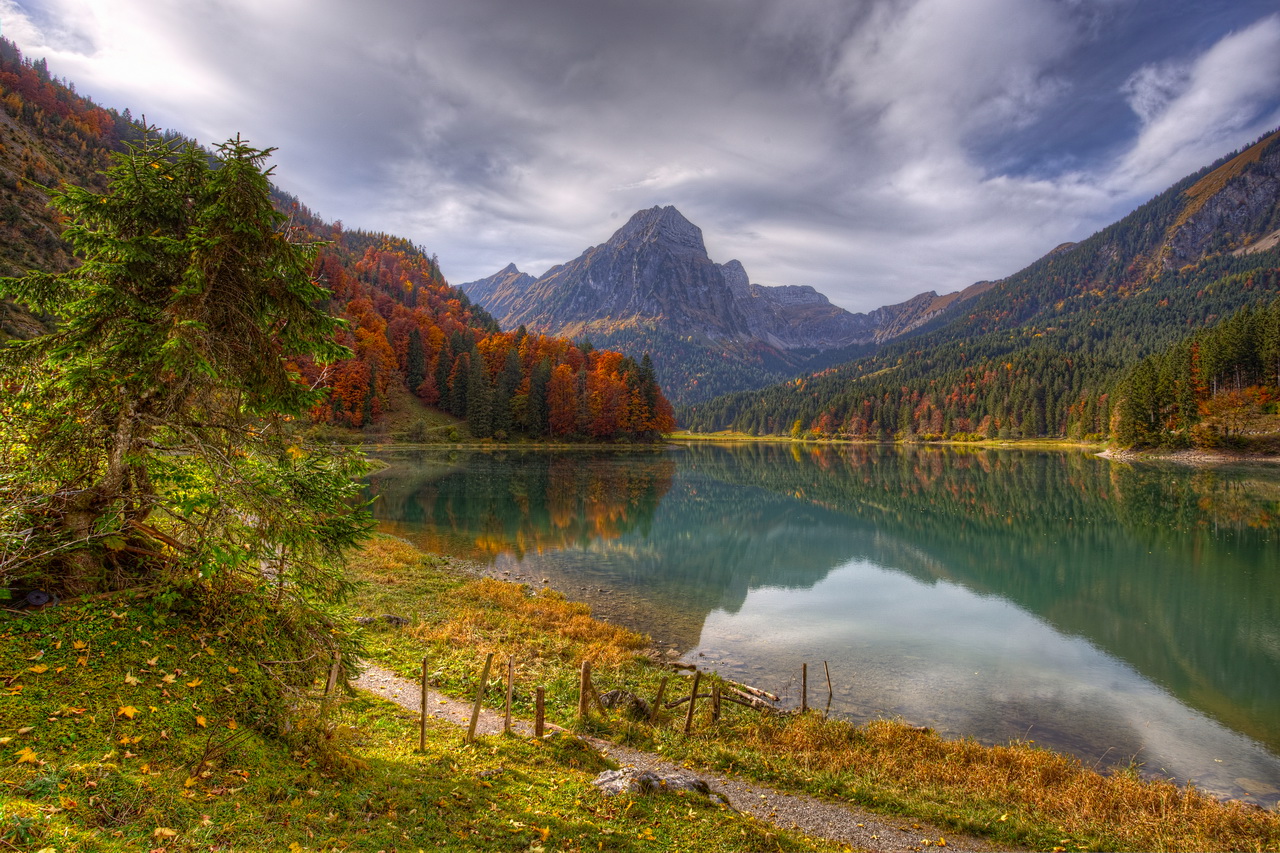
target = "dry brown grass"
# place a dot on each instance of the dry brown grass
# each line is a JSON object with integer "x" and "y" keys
{"x": 493, "y": 615}
{"x": 1019, "y": 782}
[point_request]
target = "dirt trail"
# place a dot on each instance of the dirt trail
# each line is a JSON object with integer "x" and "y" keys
{"x": 841, "y": 824}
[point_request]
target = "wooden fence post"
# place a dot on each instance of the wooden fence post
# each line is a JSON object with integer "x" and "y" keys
{"x": 475, "y": 709}
{"x": 511, "y": 680}
{"x": 657, "y": 700}
{"x": 693, "y": 700}
{"x": 422, "y": 730}
{"x": 584, "y": 689}
{"x": 830, "y": 693}
{"x": 540, "y": 712}
{"x": 715, "y": 703}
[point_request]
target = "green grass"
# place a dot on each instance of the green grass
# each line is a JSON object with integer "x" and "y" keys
{"x": 197, "y": 724}
{"x": 1015, "y": 794}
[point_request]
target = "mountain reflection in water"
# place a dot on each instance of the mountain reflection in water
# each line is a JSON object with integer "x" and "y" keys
{"x": 1114, "y": 612}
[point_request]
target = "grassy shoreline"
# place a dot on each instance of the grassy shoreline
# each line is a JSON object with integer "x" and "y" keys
{"x": 1016, "y": 794}
{"x": 196, "y": 721}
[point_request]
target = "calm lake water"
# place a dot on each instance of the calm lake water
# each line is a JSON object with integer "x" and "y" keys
{"x": 1117, "y": 613}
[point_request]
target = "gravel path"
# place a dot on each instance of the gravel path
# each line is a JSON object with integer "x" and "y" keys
{"x": 841, "y": 824}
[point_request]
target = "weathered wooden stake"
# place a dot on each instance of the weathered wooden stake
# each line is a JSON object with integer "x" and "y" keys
{"x": 657, "y": 700}
{"x": 830, "y": 693}
{"x": 333, "y": 673}
{"x": 584, "y": 689}
{"x": 475, "y": 709}
{"x": 715, "y": 703}
{"x": 422, "y": 730}
{"x": 804, "y": 687}
{"x": 540, "y": 712}
{"x": 511, "y": 681}
{"x": 693, "y": 700}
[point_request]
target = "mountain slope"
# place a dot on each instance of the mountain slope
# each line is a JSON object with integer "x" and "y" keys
{"x": 651, "y": 287}
{"x": 409, "y": 331}
{"x": 1038, "y": 352}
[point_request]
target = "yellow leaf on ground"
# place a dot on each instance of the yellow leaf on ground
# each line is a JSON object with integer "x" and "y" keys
{"x": 201, "y": 722}
{"x": 38, "y": 668}
{"x": 27, "y": 755}
{"x": 195, "y": 683}
{"x": 153, "y": 661}
{"x": 79, "y": 644}
{"x": 131, "y": 679}
{"x": 127, "y": 711}
{"x": 232, "y": 670}
{"x": 164, "y": 832}
{"x": 82, "y": 660}
{"x": 233, "y": 725}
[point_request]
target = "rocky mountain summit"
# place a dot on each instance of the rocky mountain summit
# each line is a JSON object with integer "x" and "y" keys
{"x": 652, "y": 282}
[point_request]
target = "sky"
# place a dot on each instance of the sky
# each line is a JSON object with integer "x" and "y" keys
{"x": 873, "y": 149}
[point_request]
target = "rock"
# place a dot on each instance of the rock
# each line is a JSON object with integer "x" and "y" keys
{"x": 390, "y": 618}
{"x": 630, "y": 780}
{"x": 631, "y": 704}
{"x": 29, "y": 599}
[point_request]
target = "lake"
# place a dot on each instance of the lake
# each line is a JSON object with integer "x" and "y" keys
{"x": 1118, "y": 613}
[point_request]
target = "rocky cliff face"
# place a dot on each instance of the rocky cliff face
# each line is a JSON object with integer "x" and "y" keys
{"x": 1233, "y": 206}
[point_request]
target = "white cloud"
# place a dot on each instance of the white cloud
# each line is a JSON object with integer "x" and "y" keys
{"x": 1195, "y": 111}
{"x": 845, "y": 146}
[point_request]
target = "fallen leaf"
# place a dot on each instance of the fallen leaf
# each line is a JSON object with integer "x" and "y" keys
{"x": 232, "y": 670}
{"x": 233, "y": 725}
{"x": 127, "y": 711}
{"x": 38, "y": 668}
{"x": 26, "y": 730}
{"x": 164, "y": 832}
{"x": 131, "y": 679}
{"x": 195, "y": 683}
{"x": 201, "y": 722}
{"x": 79, "y": 644}
{"x": 82, "y": 660}
{"x": 4, "y": 740}
{"x": 27, "y": 755}
{"x": 153, "y": 661}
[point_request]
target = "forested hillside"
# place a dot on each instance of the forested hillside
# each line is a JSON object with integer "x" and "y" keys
{"x": 406, "y": 326}
{"x": 1042, "y": 352}
{"x": 1209, "y": 389}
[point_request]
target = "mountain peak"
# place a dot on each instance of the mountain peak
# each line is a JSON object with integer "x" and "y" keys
{"x": 661, "y": 225}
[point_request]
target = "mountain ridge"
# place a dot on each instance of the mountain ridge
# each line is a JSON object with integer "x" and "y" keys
{"x": 652, "y": 286}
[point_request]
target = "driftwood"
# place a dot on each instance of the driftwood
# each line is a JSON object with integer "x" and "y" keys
{"x": 754, "y": 691}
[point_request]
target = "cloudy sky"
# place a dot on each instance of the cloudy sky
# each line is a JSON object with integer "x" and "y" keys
{"x": 871, "y": 148}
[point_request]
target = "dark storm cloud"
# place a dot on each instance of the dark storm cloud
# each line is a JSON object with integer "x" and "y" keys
{"x": 872, "y": 149}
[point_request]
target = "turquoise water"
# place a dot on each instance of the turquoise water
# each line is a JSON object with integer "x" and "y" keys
{"x": 1117, "y": 613}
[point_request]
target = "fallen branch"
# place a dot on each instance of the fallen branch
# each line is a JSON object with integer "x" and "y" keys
{"x": 735, "y": 697}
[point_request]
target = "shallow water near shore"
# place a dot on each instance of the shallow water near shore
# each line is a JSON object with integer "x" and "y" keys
{"x": 1119, "y": 613}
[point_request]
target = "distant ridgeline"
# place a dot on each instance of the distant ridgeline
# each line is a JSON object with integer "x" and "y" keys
{"x": 651, "y": 287}
{"x": 1051, "y": 350}
{"x": 407, "y": 327}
